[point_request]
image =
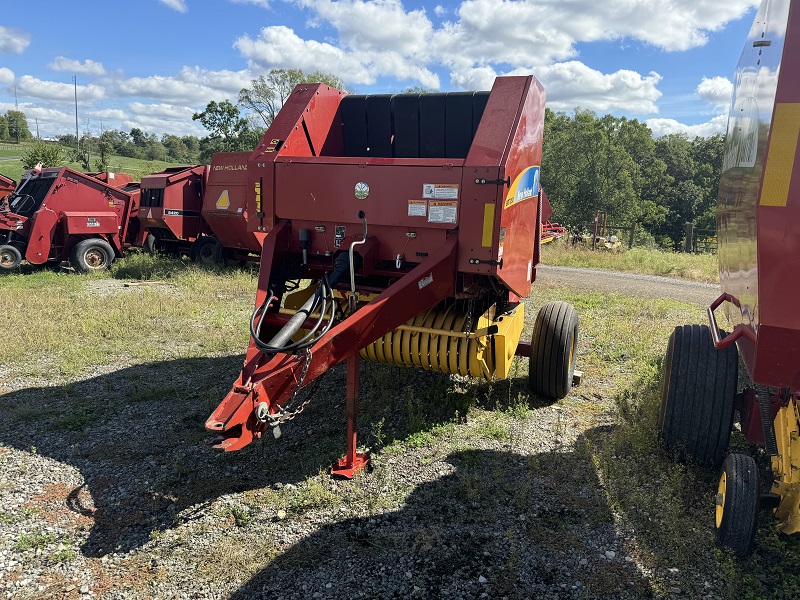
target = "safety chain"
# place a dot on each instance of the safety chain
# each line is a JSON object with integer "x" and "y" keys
{"x": 283, "y": 415}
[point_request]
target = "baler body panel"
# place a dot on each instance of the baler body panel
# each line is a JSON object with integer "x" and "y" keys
{"x": 7, "y": 185}
{"x": 224, "y": 202}
{"x": 759, "y": 200}
{"x": 171, "y": 202}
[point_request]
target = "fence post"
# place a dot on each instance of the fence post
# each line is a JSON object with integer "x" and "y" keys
{"x": 689, "y": 236}
{"x": 632, "y": 235}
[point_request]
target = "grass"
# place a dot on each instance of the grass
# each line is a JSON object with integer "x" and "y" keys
{"x": 605, "y": 466}
{"x": 135, "y": 167}
{"x": 694, "y": 267}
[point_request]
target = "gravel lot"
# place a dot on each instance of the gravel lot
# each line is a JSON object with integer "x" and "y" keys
{"x": 107, "y": 490}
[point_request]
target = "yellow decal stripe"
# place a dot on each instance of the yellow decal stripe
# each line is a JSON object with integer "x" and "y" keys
{"x": 488, "y": 225}
{"x": 781, "y": 153}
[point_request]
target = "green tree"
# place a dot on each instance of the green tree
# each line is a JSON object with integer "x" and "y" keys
{"x": 4, "y": 134}
{"x": 18, "y": 125}
{"x": 176, "y": 149}
{"x": 42, "y": 152}
{"x": 105, "y": 148}
{"x": 267, "y": 93}
{"x": 138, "y": 137}
{"x": 229, "y": 130}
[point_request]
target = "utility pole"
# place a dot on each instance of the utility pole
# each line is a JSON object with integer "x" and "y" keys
{"x": 16, "y": 104}
{"x": 37, "y": 129}
{"x": 77, "y": 135}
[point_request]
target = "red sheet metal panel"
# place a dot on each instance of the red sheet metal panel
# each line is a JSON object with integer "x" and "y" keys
{"x": 759, "y": 201}
{"x": 224, "y": 204}
{"x": 172, "y": 199}
{"x": 91, "y": 223}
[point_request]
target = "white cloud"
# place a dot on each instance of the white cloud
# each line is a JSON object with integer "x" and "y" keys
{"x": 193, "y": 86}
{"x": 6, "y": 76}
{"x": 661, "y": 127}
{"x": 87, "y": 67}
{"x": 32, "y": 87}
{"x": 716, "y": 91}
{"x": 261, "y": 3}
{"x": 166, "y": 112}
{"x": 179, "y": 5}
{"x": 51, "y": 121}
{"x": 109, "y": 114}
{"x": 439, "y": 10}
{"x": 13, "y": 41}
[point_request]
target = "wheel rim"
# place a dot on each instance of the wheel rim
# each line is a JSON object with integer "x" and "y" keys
{"x": 207, "y": 253}
{"x": 95, "y": 259}
{"x": 720, "y": 501}
{"x": 7, "y": 258}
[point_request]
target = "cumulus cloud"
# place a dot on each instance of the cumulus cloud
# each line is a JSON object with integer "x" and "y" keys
{"x": 661, "y": 127}
{"x": 179, "y": 5}
{"x": 13, "y": 41}
{"x": 193, "y": 86}
{"x": 6, "y": 76}
{"x": 54, "y": 90}
{"x": 716, "y": 91}
{"x": 87, "y": 67}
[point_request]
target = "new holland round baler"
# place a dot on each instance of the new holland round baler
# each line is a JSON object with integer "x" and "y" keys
{"x": 758, "y": 230}
{"x": 417, "y": 219}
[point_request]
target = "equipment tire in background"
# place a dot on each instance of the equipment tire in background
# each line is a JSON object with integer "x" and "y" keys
{"x": 220, "y": 254}
{"x": 553, "y": 350}
{"x": 90, "y": 255}
{"x": 203, "y": 250}
{"x": 10, "y": 257}
{"x": 737, "y": 504}
{"x": 697, "y": 395}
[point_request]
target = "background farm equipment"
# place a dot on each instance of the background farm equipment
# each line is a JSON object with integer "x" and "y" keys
{"x": 758, "y": 213}
{"x": 418, "y": 220}
{"x": 201, "y": 210}
{"x": 59, "y": 214}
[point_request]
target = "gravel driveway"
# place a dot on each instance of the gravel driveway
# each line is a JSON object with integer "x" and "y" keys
{"x": 108, "y": 491}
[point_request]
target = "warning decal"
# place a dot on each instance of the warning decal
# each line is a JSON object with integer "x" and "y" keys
{"x": 223, "y": 202}
{"x": 444, "y": 211}
{"x": 417, "y": 208}
{"x": 440, "y": 191}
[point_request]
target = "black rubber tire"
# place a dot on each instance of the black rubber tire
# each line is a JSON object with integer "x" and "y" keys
{"x": 553, "y": 350}
{"x": 698, "y": 390}
{"x": 739, "y": 505}
{"x": 221, "y": 255}
{"x": 203, "y": 250}
{"x": 91, "y": 255}
{"x": 10, "y": 257}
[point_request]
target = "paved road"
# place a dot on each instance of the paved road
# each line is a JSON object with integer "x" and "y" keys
{"x": 647, "y": 286}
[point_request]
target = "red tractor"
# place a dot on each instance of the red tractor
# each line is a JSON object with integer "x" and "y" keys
{"x": 58, "y": 214}
{"x": 201, "y": 210}
{"x": 417, "y": 218}
{"x": 758, "y": 215}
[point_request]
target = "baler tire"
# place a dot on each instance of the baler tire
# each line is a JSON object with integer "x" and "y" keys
{"x": 553, "y": 350}
{"x": 203, "y": 250}
{"x": 220, "y": 254}
{"x": 737, "y": 505}
{"x": 91, "y": 255}
{"x": 697, "y": 396}
{"x": 10, "y": 257}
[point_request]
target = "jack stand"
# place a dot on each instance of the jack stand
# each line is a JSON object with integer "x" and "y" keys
{"x": 353, "y": 462}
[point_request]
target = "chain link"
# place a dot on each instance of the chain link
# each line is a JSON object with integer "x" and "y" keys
{"x": 468, "y": 324}
{"x": 283, "y": 414}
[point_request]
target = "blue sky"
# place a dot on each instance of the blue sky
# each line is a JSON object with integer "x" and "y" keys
{"x": 152, "y": 63}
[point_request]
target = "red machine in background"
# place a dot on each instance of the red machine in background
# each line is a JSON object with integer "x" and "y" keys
{"x": 58, "y": 214}
{"x": 758, "y": 216}
{"x": 201, "y": 210}
{"x": 7, "y": 186}
{"x": 417, "y": 217}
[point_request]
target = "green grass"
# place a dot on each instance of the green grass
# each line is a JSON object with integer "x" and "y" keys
{"x": 694, "y": 267}
{"x": 135, "y": 167}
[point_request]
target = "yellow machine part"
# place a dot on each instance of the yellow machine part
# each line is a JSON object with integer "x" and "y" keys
{"x": 786, "y": 467}
{"x": 436, "y": 340}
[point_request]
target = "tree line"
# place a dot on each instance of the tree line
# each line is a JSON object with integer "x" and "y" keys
{"x": 589, "y": 162}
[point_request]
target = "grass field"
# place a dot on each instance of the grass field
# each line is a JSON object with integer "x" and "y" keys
{"x": 65, "y": 328}
{"x": 135, "y": 167}
{"x": 694, "y": 267}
